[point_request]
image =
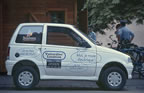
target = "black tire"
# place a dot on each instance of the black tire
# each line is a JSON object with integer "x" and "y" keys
{"x": 20, "y": 80}
{"x": 113, "y": 78}
{"x": 99, "y": 84}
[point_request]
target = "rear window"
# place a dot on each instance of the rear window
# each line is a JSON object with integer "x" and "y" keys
{"x": 30, "y": 34}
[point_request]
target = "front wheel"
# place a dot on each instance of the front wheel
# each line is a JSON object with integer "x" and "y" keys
{"x": 25, "y": 77}
{"x": 113, "y": 78}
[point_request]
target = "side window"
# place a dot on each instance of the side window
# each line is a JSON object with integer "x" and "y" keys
{"x": 62, "y": 36}
{"x": 30, "y": 34}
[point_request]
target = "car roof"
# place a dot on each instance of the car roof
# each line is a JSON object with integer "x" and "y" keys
{"x": 51, "y": 24}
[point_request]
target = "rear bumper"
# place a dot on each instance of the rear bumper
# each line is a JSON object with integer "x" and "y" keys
{"x": 9, "y": 66}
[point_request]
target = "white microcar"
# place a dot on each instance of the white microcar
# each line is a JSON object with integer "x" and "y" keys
{"x": 41, "y": 51}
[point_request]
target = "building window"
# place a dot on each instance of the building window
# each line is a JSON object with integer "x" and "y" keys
{"x": 56, "y": 16}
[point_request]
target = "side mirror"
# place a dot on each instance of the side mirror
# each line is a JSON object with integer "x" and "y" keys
{"x": 85, "y": 44}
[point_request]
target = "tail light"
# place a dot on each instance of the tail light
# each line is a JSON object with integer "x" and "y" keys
{"x": 8, "y": 52}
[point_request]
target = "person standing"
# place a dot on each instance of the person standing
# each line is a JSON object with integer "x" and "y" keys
{"x": 91, "y": 34}
{"x": 117, "y": 28}
{"x": 124, "y": 34}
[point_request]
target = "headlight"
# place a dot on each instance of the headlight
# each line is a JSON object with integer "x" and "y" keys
{"x": 129, "y": 60}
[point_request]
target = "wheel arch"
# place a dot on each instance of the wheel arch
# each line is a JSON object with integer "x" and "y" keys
{"x": 25, "y": 63}
{"x": 114, "y": 64}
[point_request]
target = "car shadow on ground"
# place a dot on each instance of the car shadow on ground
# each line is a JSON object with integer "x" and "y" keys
{"x": 59, "y": 89}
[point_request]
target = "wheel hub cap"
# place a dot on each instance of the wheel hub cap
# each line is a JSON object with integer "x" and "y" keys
{"x": 114, "y": 79}
{"x": 25, "y": 78}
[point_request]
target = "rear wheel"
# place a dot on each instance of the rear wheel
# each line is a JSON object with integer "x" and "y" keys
{"x": 25, "y": 77}
{"x": 113, "y": 78}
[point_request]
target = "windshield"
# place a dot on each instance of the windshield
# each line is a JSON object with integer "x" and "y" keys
{"x": 93, "y": 41}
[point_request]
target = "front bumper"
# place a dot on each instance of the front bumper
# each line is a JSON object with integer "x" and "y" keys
{"x": 129, "y": 70}
{"x": 130, "y": 73}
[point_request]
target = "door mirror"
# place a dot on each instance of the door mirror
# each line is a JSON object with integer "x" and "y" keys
{"x": 85, "y": 44}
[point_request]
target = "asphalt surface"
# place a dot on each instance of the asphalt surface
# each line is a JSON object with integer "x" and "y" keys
{"x": 6, "y": 83}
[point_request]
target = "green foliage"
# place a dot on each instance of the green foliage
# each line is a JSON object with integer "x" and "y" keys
{"x": 103, "y": 14}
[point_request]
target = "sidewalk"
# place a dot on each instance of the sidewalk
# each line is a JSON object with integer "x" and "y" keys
{"x": 7, "y": 82}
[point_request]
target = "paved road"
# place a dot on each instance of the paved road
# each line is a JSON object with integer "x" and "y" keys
{"x": 70, "y": 90}
{"x": 66, "y": 86}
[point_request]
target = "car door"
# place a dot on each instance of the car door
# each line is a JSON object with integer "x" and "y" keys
{"x": 65, "y": 54}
